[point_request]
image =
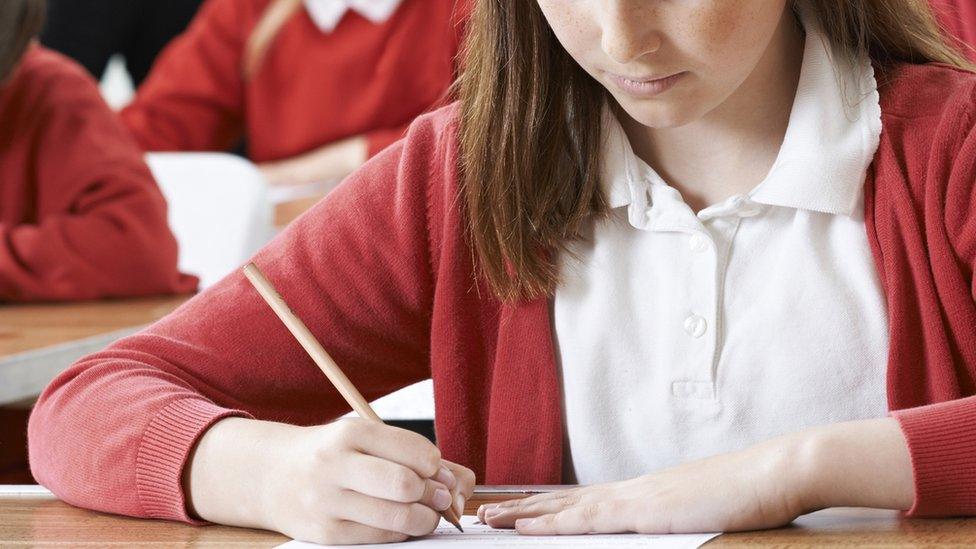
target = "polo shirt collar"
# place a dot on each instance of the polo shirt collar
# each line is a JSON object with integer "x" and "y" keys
{"x": 830, "y": 141}
{"x": 327, "y": 13}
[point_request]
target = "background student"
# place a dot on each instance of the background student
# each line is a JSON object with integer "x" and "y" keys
{"x": 80, "y": 214}
{"x": 313, "y": 88}
{"x": 713, "y": 260}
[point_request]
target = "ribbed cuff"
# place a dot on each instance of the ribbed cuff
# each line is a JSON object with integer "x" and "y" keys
{"x": 163, "y": 451}
{"x": 942, "y": 443}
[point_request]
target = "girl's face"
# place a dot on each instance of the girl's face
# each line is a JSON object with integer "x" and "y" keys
{"x": 668, "y": 62}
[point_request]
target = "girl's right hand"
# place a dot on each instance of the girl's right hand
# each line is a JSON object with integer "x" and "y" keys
{"x": 358, "y": 481}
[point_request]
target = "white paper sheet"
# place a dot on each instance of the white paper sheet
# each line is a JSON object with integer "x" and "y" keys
{"x": 480, "y": 535}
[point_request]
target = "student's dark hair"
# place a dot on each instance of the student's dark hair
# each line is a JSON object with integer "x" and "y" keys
{"x": 20, "y": 21}
{"x": 530, "y": 126}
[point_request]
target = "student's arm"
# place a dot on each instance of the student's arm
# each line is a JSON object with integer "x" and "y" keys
{"x": 192, "y": 99}
{"x": 117, "y": 431}
{"x": 862, "y": 463}
{"x": 101, "y": 227}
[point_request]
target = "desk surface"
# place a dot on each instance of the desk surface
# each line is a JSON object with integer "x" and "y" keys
{"x": 37, "y": 342}
{"x": 38, "y": 522}
{"x": 31, "y": 327}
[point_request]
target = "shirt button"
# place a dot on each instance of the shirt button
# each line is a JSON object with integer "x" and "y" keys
{"x": 695, "y": 326}
{"x": 698, "y": 243}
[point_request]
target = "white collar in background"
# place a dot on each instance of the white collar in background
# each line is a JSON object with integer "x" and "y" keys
{"x": 327, "y": 13}
{"x": 831, "y": 139}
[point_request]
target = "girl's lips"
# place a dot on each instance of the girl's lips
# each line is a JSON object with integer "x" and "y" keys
{"x": 646, "y": 87}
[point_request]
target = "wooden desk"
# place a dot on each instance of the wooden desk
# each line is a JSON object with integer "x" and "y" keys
{"x": 38, "y": 522}
{"x": 39, "y": 341}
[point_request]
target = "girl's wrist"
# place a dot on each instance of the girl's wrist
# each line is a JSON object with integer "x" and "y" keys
{"x": 851, "y": 464}
{"x": 232, "y": 472}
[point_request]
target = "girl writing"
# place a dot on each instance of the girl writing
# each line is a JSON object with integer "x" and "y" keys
{"x": 712, "y": 259}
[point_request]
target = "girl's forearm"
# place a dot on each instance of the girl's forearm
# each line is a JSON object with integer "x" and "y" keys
{"x": 862, "y": 463}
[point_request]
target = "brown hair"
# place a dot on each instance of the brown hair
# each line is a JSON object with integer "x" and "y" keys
{"x": 20, "y": 21}
{"x": 531, "y": 126}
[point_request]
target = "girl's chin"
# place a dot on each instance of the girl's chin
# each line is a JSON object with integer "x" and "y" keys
{"x": 658, "y": 116}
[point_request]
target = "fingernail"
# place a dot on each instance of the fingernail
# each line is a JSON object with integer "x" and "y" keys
{"x": 445, "y": 477}
{"x": 485, "y": 507}
{"x": 459, "y": 504}
{"x": 524, "y": 523}
{"x": 442, "y": 499}
{"x": 493, "y": 512}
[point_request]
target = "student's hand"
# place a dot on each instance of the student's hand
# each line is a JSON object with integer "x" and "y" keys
{"x": 329, "y": 163}
{"x": 351, "y": 481}
{"x": 860, "y": 463}
{"x": 356, "y": 481}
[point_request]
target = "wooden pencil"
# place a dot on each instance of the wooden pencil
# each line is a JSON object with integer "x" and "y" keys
{"x": 320, "y": 357}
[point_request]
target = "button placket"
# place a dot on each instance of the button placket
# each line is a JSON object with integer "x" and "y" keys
{"x": 694, "y": 382}
{"x": 725, "y": 229}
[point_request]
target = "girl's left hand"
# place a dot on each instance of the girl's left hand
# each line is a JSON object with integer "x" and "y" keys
{"x": 760, "y": 487}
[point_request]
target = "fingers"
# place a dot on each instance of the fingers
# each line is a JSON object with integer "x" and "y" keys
{"x": 464, "y": 476}
{"x": 590, "y": 518}
{"x": 392, "y": 444}
{"x": 412, "y": 519}
{"x": 505, "y": 517}
{"x": 383, "y": 479}
{"x": 464, "y": 488}
{"x": 538, "y": 504}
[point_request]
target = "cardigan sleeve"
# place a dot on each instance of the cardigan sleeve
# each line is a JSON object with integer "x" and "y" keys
{"x": 98, "y": 223}
{"x": 113, "y": 432}
{"x": 941, "y": 437}
{"x": 193, "y": 98}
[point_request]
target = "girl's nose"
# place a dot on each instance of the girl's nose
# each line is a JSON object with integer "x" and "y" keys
{"x": 628, "y": 29}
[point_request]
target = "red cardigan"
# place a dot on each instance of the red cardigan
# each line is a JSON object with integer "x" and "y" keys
{"x": 382, "y": 275}
{"x": 312, "y": 89}
{"x": 80, "y": 214}
{"x": 959, "y": 18}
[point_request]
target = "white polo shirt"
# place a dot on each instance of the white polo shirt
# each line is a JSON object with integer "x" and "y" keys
{"x": 685, "y": 335}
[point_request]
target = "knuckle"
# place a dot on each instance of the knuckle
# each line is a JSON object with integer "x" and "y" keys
{"x": 400, "y": 519}
{"x": 590, "y": 512}
{"x": 429, "y": 460}
{"x": 464, "y": 476}
{"x": 344, "y": 431}
{"x": 405, "y": 485}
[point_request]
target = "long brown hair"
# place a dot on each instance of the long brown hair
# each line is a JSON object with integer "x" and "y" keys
{"x": 531, "y": 126}
{"x": 20, "y": 21}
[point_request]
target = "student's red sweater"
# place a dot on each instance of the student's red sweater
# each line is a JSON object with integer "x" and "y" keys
{"x": 381, "y": 272}
{"x": 959, "y": 18}
{"x": 80, "y": 214}
{"x": 313, "y": 88}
